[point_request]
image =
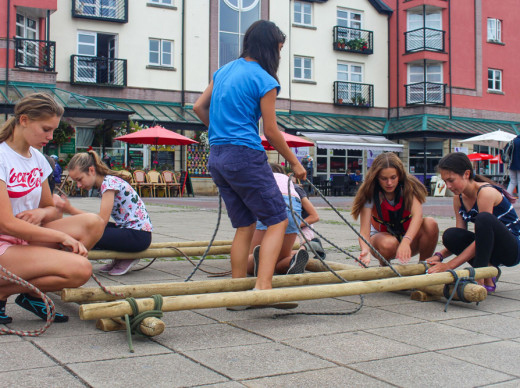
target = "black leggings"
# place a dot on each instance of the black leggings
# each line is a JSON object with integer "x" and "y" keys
{"x": 494, "y": 243}
{"x": 124, "y": 239}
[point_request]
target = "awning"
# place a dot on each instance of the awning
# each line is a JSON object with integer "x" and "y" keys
{"x": 353, "y": 142}
{"x": 76, "y": 105}
{"x": 438, "y": 126}
{"x": 166, "y": 114}
{"x": 330, "y": 123}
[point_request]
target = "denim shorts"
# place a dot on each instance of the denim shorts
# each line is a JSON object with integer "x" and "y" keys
{"x": 246, "y": 183}
{"x": 297, "y": 207}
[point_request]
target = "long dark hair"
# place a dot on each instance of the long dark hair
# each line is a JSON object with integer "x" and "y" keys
{"x": 411, "y": 186}
{"x": 459, "y": 163}
{"x": 261, "y": 42}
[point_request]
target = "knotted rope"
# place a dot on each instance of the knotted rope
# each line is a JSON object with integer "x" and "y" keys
{"x": 458, "y": 287}
{"x": 133, "y": 322}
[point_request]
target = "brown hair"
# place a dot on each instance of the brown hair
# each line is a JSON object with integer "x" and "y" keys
{"x": 277, "y": 168}
{"x": 36, "y": 106}
{"x": 411, "y": 186}
{"x": 84, "y": 160}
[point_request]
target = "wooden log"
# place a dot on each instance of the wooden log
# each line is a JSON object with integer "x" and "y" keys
{"x": 472, "y": 292}
{"x": 91, "y": 294}
{"x": 266, "y": 297}
{"x": 159, "y": 252}
{"x": 150, "y": 326}
{"x": 315, "y": 265}
{"x": 216, "y": 243}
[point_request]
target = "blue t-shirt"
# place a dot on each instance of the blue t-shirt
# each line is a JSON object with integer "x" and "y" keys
{"x": 235, "y": 103}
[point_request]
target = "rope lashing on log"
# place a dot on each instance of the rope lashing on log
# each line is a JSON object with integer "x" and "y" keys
{"x": 49, "y": 305}
{"x": 458, "y": 288}
{"x": 133, "y": 321}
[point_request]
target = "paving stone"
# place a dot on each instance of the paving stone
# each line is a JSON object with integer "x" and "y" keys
{"x": 97, "y": 347}
{"x": 432, "y": 335}
{"x": 185, "y": 318}
{"x": 206, "y": 337}
{"x": 49, "y": 377}
{"x": 506, "y": 356}
{"x": 499, "y": 304}
{"x": 323, "y": 378}
{"x": 167, "y": 370}
{"x": 494, "y": 325}
{"x": 506, "y": 384}
{"x": 259, "y": 360}
{"x": 231, "y": 384}
{"x": 429, "y": 370}
{"x": 23, "y": 355}
{"x": 346, "y": 348}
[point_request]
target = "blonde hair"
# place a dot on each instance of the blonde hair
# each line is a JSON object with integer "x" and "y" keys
{"x": 411, "y": 186}
{"x": 84, "y": 160}
{"x": 36, "y": 106}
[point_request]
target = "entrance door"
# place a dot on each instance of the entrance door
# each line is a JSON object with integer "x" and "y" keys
{"x": 86, "y": 69}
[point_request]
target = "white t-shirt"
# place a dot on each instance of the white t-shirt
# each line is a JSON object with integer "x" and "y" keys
{"x": 23, "y": 177}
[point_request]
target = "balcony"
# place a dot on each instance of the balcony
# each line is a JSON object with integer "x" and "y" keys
{"x": 34, "y": 54}
{"x": 100, "y": 71}
{"x": 106, "y": 10}
{"x": 353, "y": 40}
{"x": 353, "y": 94}
{"x": 426, "y": 93}
{"x": 424, "y": 39}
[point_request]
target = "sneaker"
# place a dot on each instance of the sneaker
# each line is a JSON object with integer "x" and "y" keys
{"x": 298, "y": 262}
{"x": 316, "y": 245}
{"x": 256, "y": 259}
{"x": 37, "y": 306}
{"x": 107, "y": 267}
{"x": 122, "y": 266}
{"x": 4, "y": 318}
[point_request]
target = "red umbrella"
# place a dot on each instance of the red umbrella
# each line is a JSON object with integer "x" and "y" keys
{"x": 292, "y": 141}
{"x": 496, "y": 159}
{"x": 477, "y": 157}
{"x": 155, "y": 136}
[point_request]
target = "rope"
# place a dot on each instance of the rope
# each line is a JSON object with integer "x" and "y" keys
{"x": 458, "y": 287}
{"x": 133, "y": 322}
{"x": 49, "y": 305}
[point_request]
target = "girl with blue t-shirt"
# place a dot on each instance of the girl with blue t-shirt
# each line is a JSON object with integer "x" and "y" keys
{"x": 240, "y": 93}
{"x": 496, "y": 239}
{"x": 131, "y": 230}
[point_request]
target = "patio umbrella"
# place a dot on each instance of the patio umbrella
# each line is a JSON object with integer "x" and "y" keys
{"x": 496, "y": 139}
{"x": 478, "y": 156}
{"x": 496, "y": 159}
{"x": 156, "y": 136}
{"x": 292, "y": 141}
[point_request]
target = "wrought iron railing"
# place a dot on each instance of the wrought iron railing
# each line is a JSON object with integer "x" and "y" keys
{"x": 97, "y": 71}
{"x": 353, "y": 94}
{"x": 353, "y": 40}
{"x": 425, "y": 93}
{"x": 35, "y": 54}
{"x": 424, "y": 39}
{"x": 107, "y": 10}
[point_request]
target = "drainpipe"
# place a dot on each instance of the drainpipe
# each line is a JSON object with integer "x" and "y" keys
{"x": 388, "y": 75}
{"x": 48, "y": 26}
{"x": 183, "y": 74}
{"x": 397, "y": 89}
{"x": 449, "y": 58}
{"x": 7, "y": 50}
{"x": 290, "y": 61}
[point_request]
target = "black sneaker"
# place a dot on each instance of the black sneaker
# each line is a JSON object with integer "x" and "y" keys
{"x": 37, "y": 306}
{"x": 298, "y": 262}
{"x": 4, "y": 318}
{"x": 316, "y": 244}
{"x": 256, "y": 259}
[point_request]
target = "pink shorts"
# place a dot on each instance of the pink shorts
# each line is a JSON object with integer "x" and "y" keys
{"x": 6, "y": 241}
{"x": 307, "y": 232}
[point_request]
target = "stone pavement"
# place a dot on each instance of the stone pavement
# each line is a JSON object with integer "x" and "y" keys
{"x": 391, "y": 341}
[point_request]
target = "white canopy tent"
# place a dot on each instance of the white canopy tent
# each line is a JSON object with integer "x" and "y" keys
{"x": 352, "y": 142}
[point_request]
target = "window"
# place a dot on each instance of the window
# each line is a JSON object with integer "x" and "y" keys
{"x": 338, "y": 161}
{"x": 163, "y": 2}
{"x": 495, "y": 80}
{"x": 433, "y": 155}
{"x": 303, "y": 68}
{"x": 96, "y": 60}
{"x": 235, "y": 17}
{"x": 101, "y": 8}
{"x": 349, "y": 92}
{"x": 424, "y": 31}
{"x": 421, "y": 90}
{"x": 302, "y": 13}
{"x": 27, "y": 28}
{"x": 161, "y": 52}
{"x": 494, "y": 30}
{"x": 351, "y": 19}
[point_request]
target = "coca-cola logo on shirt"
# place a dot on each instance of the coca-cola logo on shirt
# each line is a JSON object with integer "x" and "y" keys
{"x": 22, "y": 183}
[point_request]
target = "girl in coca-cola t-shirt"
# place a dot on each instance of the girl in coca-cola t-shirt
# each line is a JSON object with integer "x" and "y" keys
{"x": 35, "y": 242}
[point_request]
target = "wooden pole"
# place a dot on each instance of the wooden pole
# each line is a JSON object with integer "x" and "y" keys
{"x": 472, "y": 293}
{"x": 91, "y": 294}
{"x": 216, "y": 243}
{"x": 315, "y": 265}
{"x": 150, "y": 326}
{"x": 159, "y": 252}
{"x": 266, "y": 297}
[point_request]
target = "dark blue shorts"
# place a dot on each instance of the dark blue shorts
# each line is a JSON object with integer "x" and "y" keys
{"x": 246, "y": 182}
